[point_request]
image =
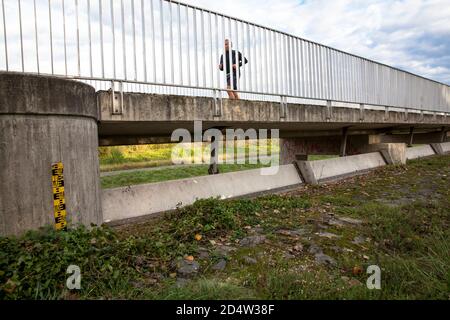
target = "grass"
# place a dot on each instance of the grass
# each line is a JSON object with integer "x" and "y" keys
{"x": 154, "y": 156}
{"x": 166, "y": 174}
{"x": 123, "y": 157}
{"x": 405, "y": 214}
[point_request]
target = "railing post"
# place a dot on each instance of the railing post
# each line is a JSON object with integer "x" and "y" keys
{"x": 117, "y": 101}
{"x": 362, "y": 112}
{"x": 283, "y": 105}
{"x": 406, "y": 114}
{"x": 386, "y": 113}
{"x": 217, "y": 96}
{"x": 329, "y": 110}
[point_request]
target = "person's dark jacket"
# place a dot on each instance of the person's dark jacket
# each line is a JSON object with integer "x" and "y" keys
{"x": 234, "y": 55}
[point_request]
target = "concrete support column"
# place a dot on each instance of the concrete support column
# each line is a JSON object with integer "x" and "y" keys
{"x": 44, "y": 121}
{"x": 214, "y": 160}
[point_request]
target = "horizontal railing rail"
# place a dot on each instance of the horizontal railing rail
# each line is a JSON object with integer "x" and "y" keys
{"x": 169, "y": 47}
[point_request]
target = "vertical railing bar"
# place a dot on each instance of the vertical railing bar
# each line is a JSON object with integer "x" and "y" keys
{"x": 277, "y": 70}
{"x": 78, "y": 38}
{"x": 211, "y": 59}
{"x": 172, "y": 69}
{"x": 297, "y": 66}
{"x": 195, "y": 48}
{"x": 286, "y": 61}
{"x": 230, "y": 51}
{"x": 323, "y": 75}
{"x": 311, "y": 71}
{"x": 180, "y": 49}
{"x": 250, "y": 67}
{"x": 217, "y": 49}
{"x": 100, "y": 12}
{"x": 163, "y": 60}
{"x": 144, "y": 42}
{"x": 290, "y": 61}
{"x": 21, "y": 36}
{"x": 36, "y": 36}
{"x": 4, "y": 35}
{"x": 236, "y": 56}
{"x": 134, "y": 39}
{"x": 329, "y": 75}
{"x": 318, "y": 71}
{"x": 271, "y": 63}
{"x": 90, "y": 37}
{"x": 113, "y": 39}
{"x": 202, "y": 13}
{"x": 188, "y": 48}
{"x": 65, "y": 42}
{"x": 124, "y": 43}
{"x": 261, "y": 58}
{"x": 266, "y": 58}
{"x": 302, "y": 65}
{"x": 153, "y": 39}
{"x": 244, "y": 55}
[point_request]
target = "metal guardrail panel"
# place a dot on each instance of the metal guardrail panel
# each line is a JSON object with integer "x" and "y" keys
{"x": 169, "y": 47}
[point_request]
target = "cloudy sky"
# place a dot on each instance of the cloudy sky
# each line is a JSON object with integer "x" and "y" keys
{"x": 413, "y": 35}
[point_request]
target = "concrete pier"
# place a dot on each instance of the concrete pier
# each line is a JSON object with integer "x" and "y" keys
{"x": 44, "y": 121}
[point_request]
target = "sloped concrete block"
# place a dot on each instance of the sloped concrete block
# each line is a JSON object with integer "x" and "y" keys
{"x": 314, "y": 172}
{"x": 419, "y": 152}
{"x": 441, "y": 148}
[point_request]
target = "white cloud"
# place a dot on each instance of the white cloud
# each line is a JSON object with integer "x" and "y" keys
{"x": 381, "y": 30}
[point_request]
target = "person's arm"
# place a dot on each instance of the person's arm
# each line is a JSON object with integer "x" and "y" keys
{"x": 221, "y": 63}
{"x": 240, "y": 60}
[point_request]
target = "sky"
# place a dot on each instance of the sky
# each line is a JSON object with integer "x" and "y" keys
{"x": 413, "y": 35}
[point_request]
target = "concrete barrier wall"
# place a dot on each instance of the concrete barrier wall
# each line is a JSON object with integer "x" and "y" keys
{"x": 331, "y": 169}
{"x": 419, "y": 152}
{"x": 445, "y": 147}
{"x": 136, "y": 201}
{"x": 441, "y": 148}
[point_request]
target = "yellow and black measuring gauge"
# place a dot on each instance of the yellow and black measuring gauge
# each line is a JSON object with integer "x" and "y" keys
{"x": 59, "y": 202}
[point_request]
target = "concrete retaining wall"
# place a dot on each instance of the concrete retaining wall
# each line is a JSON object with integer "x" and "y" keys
{"x": 141, "y": 200}
{"x": 419, "y": 152}
{"x": 445, "y": 147}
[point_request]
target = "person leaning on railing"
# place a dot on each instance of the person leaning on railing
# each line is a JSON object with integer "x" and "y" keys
{"x": 232, "y": 74}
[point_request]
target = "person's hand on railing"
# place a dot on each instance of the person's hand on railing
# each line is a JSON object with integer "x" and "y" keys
{"x": 234, "y": 66}
{"x": 221, "y": 67}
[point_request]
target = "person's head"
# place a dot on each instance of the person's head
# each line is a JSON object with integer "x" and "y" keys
{"x": 228, "y": 44}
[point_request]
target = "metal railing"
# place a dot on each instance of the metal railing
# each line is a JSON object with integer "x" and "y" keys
{"x": 170, "y": 47}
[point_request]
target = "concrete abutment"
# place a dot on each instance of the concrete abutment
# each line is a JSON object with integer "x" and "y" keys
{"x": 43, "y": 121}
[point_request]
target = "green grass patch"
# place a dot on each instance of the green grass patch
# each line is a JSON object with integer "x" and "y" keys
{"x": 167, "y": 174}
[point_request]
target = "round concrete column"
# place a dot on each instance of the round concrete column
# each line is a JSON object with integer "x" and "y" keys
{"x": 45, "y": 120}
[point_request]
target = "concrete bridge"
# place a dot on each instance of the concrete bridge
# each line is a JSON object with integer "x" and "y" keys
{"x": 56, "y": 110}
{"x": 305, "y": 129}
